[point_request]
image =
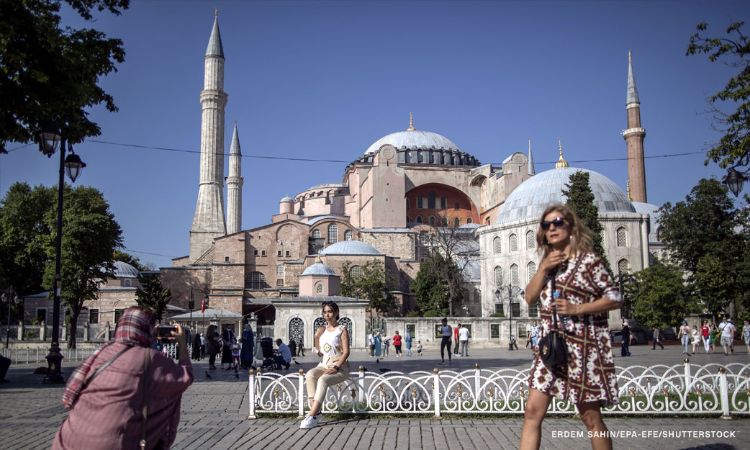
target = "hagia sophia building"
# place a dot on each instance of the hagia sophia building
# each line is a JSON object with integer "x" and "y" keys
{"x": 391, "y": 198}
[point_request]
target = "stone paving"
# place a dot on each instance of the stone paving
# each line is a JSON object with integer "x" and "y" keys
{"x": 214, "y": 414}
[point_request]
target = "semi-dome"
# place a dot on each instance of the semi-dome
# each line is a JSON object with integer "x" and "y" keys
{"x": 350, "y": 248}
{"x": 413, "y": 140}
{"x": 125, "y": 270}
{"x": 653, "y": 219}
{"x": 319, "y": 269}
{"x": 529, "y": 200}
{"x": 286, "y": 199}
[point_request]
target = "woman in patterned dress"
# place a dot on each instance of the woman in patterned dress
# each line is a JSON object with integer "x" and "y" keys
{"x": 584, "y": 292}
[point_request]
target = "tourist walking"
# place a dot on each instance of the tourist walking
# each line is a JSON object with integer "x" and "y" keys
{"x": 386, "y": 345}
{"x": 684, "y": 336}
{"x": 419, "y": 348}
{"x": 455, "y": 339}
{"x": 227, "y": 339}
{"x": 332, "y": 343}
{"x": 746, "y": 335}
{"x": 213, "y": 345}
{"x": 535, "y": 335}
{"x": 378, "y": 345}
{"x": 706, "y": 336}
{"x": 727, "y": 336}
{"x": 195, "y": 353}
{"x": 122, "y": 387}
{"x": 583, "y": 293}
{"x": 446, "y": 332}
{"x": 695, "y": 337}
{"x": 656, "y": 334}
{"x": 625, "y": 345}
{"x": 407, "y": 339}
{"x": 248, "y": 345}
{"x": 397, "y": 344}
{"x": 371, "y": 344}
{"x": 463, "y": 337}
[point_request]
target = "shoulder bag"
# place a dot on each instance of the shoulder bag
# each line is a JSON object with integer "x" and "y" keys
{"x": 552, "y": 347}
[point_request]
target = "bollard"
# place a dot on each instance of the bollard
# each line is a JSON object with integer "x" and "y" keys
{"x": 301, "y": 395}
{"x": 251, "y": 393}
{"x": 724, "y": 393}
{"x": 687, "y": 376}
{"x": 436, "y": 391}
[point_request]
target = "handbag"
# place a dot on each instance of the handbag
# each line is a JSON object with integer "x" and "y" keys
{"x": 552, "y": 348}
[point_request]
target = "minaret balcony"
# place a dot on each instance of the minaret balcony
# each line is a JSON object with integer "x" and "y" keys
{"x": 633, "y": 132}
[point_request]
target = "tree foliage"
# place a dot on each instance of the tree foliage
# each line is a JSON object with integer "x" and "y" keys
{"x": 708, "y": 238}
{"x": 49, "y": 73}
{"x": 90, "y": 236}
{"x": 733, "y": 49}
{"x": 151, "y": 294}
{"x": 372, "y": 285}
{"x": 659, "y": 296}
{"x": 580, "y": 199}
{"x": 126, "y": 257}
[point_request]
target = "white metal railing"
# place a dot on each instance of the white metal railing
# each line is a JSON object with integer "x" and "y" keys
{"x": 39, "y": 354}
{"x": 709, "y": 390}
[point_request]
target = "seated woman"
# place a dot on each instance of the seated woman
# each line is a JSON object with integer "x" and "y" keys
{"x": 126, "y": 391}
{"x": 332, "y": 343}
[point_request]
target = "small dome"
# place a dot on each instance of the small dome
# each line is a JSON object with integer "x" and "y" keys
{"x": 125, "y": 270}
{"x": 319, "y": 269}
{"x": 286, "y": 199}
{"x": 413, "y": 139}
{"x": 350, "y": 248}
{"x": 529, "y": 200}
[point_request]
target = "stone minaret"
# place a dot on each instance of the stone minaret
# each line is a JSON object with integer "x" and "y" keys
{"x": 234, "y": 186}
{"x": 208, "y": 221}
{"x": 531, "y": 169}
{"x": 634, "y": 136}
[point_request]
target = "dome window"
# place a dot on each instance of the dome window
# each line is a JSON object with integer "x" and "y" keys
{"x": 498, "y": 276}
{"x": 530, "y": 270}
{"x": 348, "y": 235}
{"x": 497, "y": 245}
{"x": 623, "y": 266}
{"x": 622, "y": 237}
{"x": 513, "y": 243}
{"x": 530, "y": 240}
{"x": 333, "y": 232}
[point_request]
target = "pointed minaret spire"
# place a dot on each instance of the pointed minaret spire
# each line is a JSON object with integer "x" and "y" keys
{"x": 531, "y": 169}
{"x": 208, "y": 221}
{"x": 634, "y": 136}
{"x": 234, "y": 185}
{"x": 632, "y": 98}
{"x": 214, "y": 47}
{"x": 561, "y": 162}
{"x": 411, "y": 122}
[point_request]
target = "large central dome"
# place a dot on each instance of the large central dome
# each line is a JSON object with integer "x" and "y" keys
{"x": 414, "y": 140}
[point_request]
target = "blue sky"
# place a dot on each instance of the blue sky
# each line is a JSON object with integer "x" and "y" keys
{"x": 324, "y": 80}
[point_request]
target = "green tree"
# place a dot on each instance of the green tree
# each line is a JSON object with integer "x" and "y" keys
{"x": 707, "y": 237}
{"x": 90, "y": 236}
{"x": 372, "y": 285}
{"x": 734, "y": 50}
{"x": 152, "y": 294}
{"x": 659, "y": 296}
{"x": 438, "y": 286}
{"x": 580, "y": 199}
{"x": 49, "y": 74}
{"x": 22, "y": 227}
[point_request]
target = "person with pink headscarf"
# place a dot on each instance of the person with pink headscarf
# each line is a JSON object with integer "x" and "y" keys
{"x": 126, "y": 395}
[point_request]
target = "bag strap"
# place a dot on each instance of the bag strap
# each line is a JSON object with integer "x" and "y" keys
{"x": 144, "y": 410}
{"x": 104, "y": 366}
{"x": 552, "y": 292}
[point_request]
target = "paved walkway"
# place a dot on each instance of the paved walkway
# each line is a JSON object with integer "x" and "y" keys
{"x": 214, "y": 411}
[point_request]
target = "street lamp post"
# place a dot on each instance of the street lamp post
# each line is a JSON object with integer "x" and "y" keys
{"x": 73, "y": 165}
{"x": 10, "y": 298}
{"x": 512, "y": 291}
{"x": 735, "y": 179}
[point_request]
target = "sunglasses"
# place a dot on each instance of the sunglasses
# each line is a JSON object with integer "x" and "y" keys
{"x": 558, "y": 222}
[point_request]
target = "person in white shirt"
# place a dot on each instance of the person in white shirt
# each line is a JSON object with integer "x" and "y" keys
{"x": 463, "y": 337}
{"x": 727, "y": 336}
{"x": 371, "y": 343}
{"x": 284, "y": 357}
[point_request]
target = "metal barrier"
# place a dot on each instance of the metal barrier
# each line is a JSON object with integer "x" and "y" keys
{"x": 710, "y": 390}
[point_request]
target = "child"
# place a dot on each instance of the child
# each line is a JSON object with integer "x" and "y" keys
{"x": 236, "y": 350}
{"x": 419, "y": 348}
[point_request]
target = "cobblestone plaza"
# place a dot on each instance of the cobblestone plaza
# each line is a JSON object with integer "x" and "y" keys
{"x": 214, "y": 412}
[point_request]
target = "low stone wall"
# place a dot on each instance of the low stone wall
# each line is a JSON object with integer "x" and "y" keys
{"x": 486, "y": 332}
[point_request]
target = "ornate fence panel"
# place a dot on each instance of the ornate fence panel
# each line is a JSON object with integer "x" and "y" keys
{"x": 710, "y": 390}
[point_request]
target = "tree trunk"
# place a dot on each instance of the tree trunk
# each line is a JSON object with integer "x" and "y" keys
{"x": 73, "y": 324}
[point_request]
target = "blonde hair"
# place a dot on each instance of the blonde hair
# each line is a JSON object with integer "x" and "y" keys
{"x": 580, "y": 235}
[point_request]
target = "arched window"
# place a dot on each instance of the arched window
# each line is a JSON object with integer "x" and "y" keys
{"x": 530, "y": 240}
{"x": 333, "y": 233}
{"x": 498, "y": 276}
{"x": 347, "y": 322}
{"x": 319, "y": 322}
{"x": 356, "y": 272}
{"x": 348, "y": 235}
{"x": 497, "y": 245}
{"x": 316, "y": 234}
{"x": 318, "y": 287}
{"x": 514, "y": 275}
{"x": 513, "y": 243}
{"x": 419, "y": 219}
{"x": 623, "y": 266}
{"x": 444, "y": 221}
{"x": 296, "y": 330}
{"x": 530, "y": 270}
{"x": 432, "y": 221}
{"x": 456, "y": 222}
{"x": 469, "y": 220}
{"x": 622, "y": 237}
{"x": 256, "y": 280}
{"x": 487, "y": 221}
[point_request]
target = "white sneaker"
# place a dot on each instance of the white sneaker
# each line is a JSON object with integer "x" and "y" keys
{"x": 309, "y": 422}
